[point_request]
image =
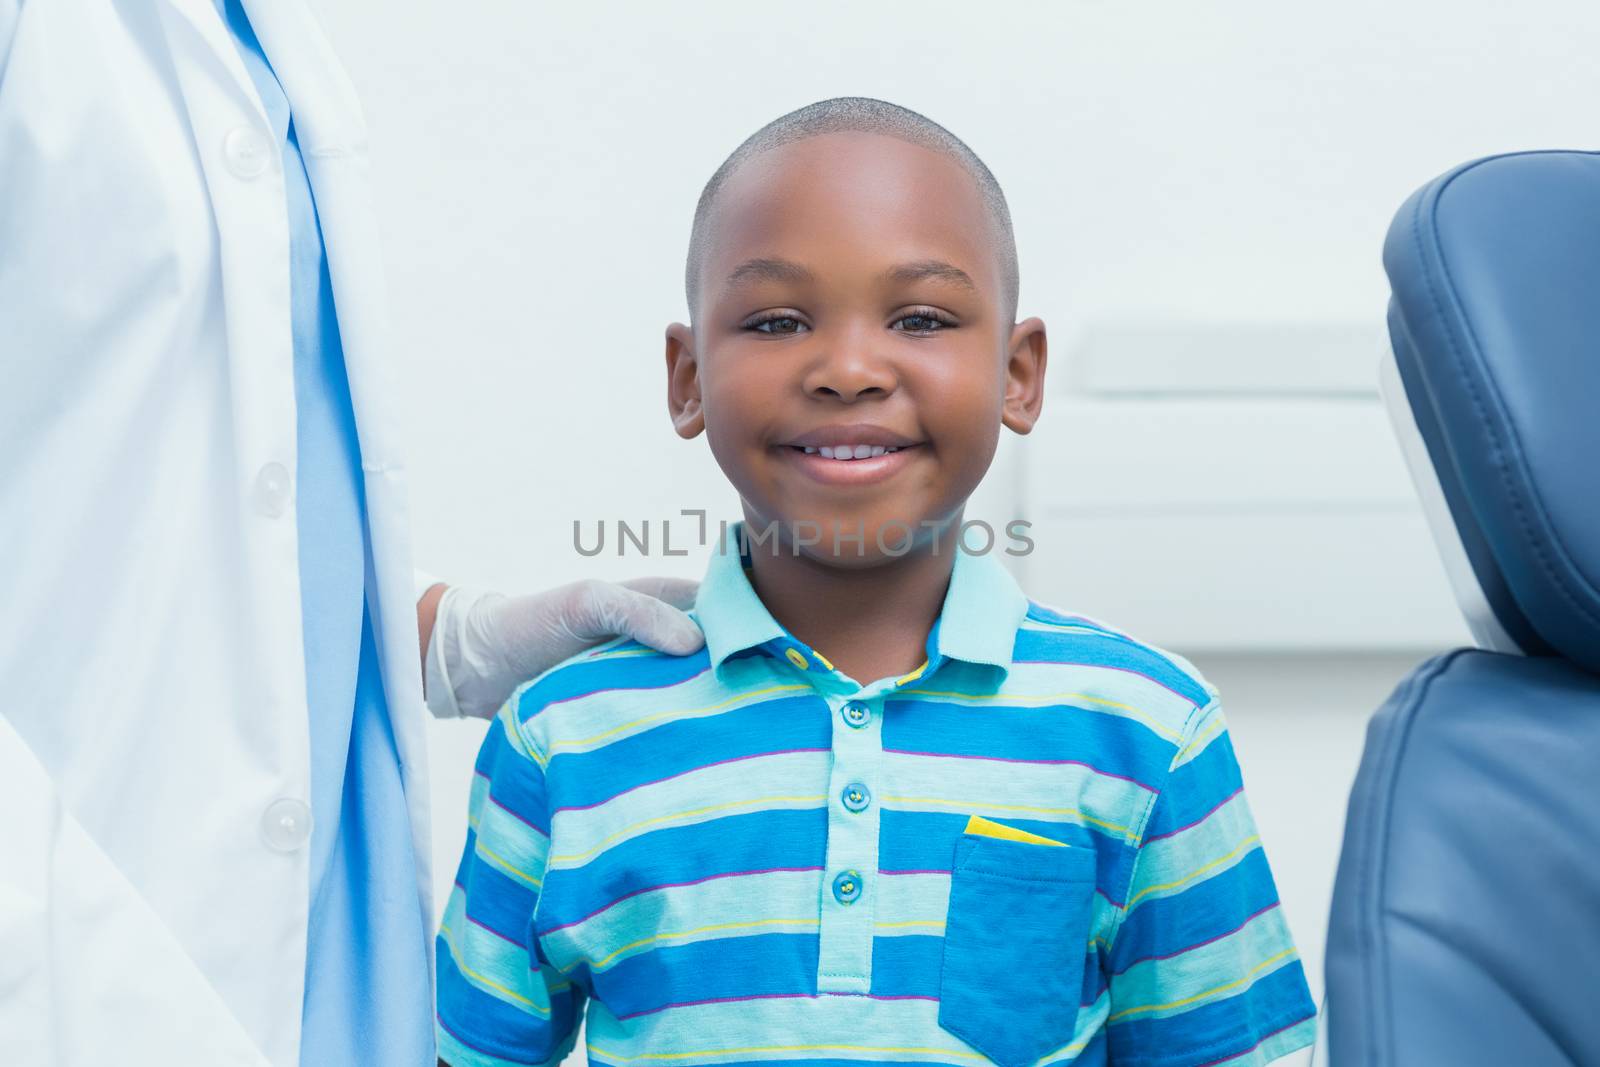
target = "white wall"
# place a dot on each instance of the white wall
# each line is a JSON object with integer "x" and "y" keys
{"x": 1233, "y": 163}
{"x": 537, "y": 167}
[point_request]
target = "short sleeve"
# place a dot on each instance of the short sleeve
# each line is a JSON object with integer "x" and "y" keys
{"x": 500, "y": 1003}
{"x": 1203, "y": 970}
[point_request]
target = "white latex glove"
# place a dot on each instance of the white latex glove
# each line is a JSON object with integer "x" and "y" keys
{"x": 484, "y": 644}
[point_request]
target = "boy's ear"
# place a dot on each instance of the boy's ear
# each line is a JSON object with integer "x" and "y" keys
{"x": 1025, "y": 360}
{"x": 683, "y": 382}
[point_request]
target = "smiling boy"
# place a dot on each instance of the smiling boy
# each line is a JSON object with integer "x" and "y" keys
{"x": 894, "y": 811}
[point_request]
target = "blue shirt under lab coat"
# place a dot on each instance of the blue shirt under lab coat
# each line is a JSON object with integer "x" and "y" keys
{"x": 367, "y": 998}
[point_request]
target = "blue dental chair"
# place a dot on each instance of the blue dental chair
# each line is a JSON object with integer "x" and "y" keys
{"x": 1465, "y": 928}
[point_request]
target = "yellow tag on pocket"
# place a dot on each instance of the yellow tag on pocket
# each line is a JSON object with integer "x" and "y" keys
{"x": 976, "y": 824}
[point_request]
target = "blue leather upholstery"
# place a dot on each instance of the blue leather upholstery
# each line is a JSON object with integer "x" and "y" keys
{"x": 1495, "y": 321}
{"x": 1466, "y": 915}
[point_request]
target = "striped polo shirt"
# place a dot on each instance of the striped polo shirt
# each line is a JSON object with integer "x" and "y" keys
{"x": 1033, "y": 848}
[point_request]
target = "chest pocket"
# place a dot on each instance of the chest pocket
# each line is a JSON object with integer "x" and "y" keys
{"x": 1015, "y": 945}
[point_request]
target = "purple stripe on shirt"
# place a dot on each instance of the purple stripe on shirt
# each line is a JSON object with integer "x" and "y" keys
{"x": 675, "y": 885}
{"x": 1110, "y": 667}
{"x": 1199, "y": 944}
{"x": 1216, "y": 808}
{"x": 691, "y": 770}
{"x": 622, "y": 689}
{"x": 1018, "y": 759}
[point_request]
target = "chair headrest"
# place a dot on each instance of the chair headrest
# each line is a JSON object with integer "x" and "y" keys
{"x": 1495, "y": 326}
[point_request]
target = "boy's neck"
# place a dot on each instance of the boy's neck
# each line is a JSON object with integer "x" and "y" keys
{"x": 870, "y": 622}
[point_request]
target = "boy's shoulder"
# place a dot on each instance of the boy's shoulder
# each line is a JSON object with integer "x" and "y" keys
{"x": 619, "y": 665}
{"x": 1058, "y": 643}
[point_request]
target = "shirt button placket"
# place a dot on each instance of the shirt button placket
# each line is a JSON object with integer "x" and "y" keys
{"x": 850, "y": 878}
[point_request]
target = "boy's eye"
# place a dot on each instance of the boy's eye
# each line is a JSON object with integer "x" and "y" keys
{"x": 917, "y": 322}
{"x": 776, "y": 324}
{"x": 921, "y": 322}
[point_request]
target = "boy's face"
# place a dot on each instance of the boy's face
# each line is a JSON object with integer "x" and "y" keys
{"x": 851, "y": 303}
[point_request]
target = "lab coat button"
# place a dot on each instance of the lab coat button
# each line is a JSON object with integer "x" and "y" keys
{"x": 286, "y": 825}
{"x": 246, "y": 152}
{"x": 272, "y": 490}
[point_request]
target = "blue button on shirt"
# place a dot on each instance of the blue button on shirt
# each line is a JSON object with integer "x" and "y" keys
{"x": 367, "y": 998}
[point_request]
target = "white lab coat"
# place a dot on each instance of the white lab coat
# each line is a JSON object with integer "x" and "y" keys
{"x": 154, "y": 742}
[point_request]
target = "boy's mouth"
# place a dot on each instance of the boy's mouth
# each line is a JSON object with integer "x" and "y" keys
{"x": 849, "y": 452}
{"x": 850, "y": 455}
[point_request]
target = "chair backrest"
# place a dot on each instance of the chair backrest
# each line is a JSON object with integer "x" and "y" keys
{"x": 1466, "y": 916}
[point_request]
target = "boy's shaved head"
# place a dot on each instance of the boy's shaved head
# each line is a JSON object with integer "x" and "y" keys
{"x": 858, "y": 114}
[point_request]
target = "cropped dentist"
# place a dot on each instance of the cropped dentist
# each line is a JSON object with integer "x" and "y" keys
{"x": 213, "y": 800}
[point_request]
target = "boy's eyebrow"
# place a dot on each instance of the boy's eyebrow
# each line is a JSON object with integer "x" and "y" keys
{"x": 936, "y": 269}
{"x": 769, "y": 270}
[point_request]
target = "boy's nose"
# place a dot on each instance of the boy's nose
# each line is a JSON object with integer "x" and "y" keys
{"x": 850, "y": 371}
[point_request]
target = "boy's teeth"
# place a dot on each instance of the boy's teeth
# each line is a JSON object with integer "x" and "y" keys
{"x": 850, "y": 451}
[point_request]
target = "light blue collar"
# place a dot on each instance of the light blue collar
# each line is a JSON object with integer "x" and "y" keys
{"x": 977, "y": 623}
